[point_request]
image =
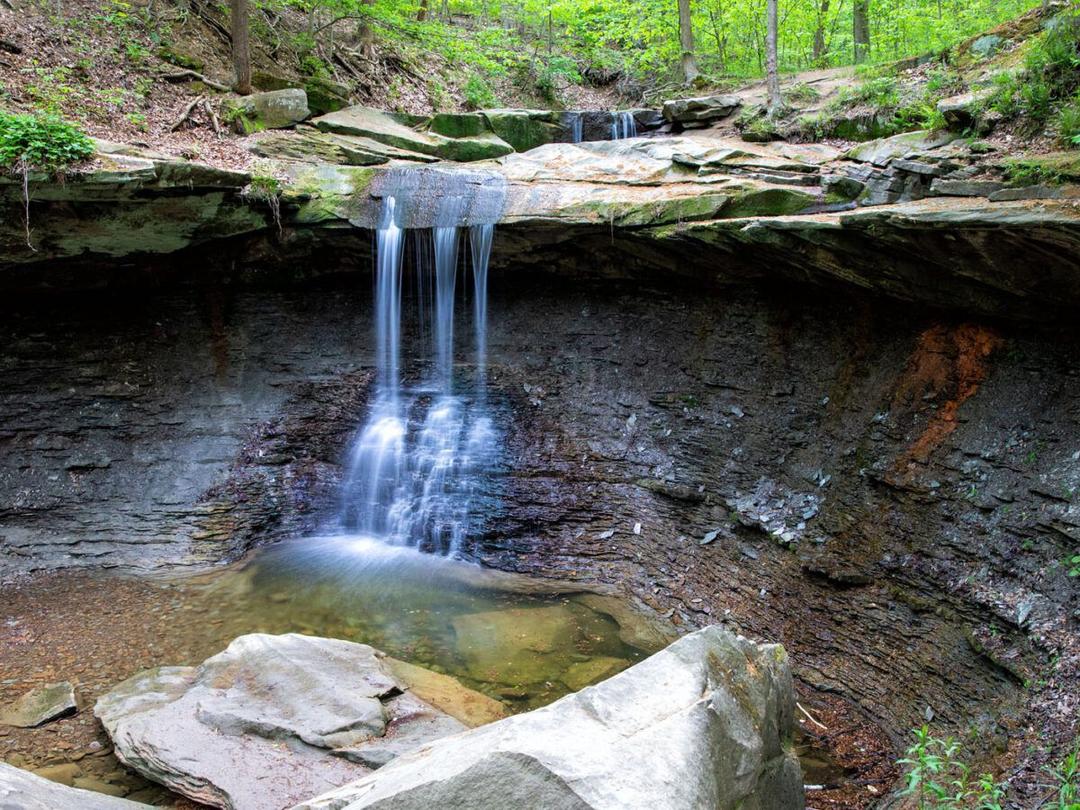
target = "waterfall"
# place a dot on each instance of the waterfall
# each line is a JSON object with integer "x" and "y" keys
{"x": 420, "y": 459}
{"x": 623, "y": 126}
{"x": 577, "y": 127}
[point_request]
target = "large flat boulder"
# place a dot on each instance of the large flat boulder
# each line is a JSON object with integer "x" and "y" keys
{"x": 22, "y": 790}
{"x": 269, "y": 721}
{"x": 706, "y": 722}
{"x": 411, "y": 135}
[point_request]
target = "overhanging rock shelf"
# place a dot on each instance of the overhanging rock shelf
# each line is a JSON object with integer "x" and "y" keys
{"x": 695, "y": 205}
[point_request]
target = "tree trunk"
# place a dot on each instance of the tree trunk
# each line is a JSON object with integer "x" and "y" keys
{"x": 861, "y": 30}
{"x": 819, "y": 32}
{"x": 686, "y": 43}
{"x": 241, "y": 49}
{"x": 367, "y": 33}
{"x": 421, "y": 15}
{"x": 771, "y": 72}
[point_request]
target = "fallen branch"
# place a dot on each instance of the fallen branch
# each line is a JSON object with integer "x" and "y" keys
{"x": 8, "y": 4}
{"x": 187, "y": 113}
{"x": 213, "y": 117}
{"x": 193, "y": 76}
{"x": 7, "y": 45}
{"x": 811, "y": 718}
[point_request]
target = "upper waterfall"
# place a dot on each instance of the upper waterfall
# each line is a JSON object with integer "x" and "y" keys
{"x": 424, "y": 451}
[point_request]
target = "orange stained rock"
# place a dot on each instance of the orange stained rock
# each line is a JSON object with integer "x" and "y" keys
{"x": 947, "y": 365}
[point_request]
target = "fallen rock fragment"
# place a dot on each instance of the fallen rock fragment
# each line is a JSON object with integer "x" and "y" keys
{"x": 40, "y": 705}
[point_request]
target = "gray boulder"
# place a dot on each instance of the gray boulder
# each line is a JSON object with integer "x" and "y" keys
{"x": 278, "y": 109}
{"x": 40, "y": 706}
{"x": 706, "y": 722}
{"x": 701, "y": 109}
{"x": 986, "y": 46}
{"x": 22, "y": 790}
{"x": 269, "y": 721}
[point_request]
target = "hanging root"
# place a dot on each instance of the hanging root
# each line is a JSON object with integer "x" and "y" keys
{"x": 24, "y": 169}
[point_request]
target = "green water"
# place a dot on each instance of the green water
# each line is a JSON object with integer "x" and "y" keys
{"x": 518, "y": 640}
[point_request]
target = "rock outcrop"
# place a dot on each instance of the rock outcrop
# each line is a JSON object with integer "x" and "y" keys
{"x": 701, "y": 110}
{"x": 21, "y": 790}
{"x": 704, "y": 723}
{"x": 473, "y": 138}
{"x": 269, "y": 721}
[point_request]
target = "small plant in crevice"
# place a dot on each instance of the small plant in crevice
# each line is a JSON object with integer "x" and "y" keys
{"x": 266, "y": 188}
{"x": 39, "y": 143}
{"x": 938, "y": 779}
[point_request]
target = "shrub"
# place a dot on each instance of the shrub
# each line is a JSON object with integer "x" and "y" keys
{"x": 45, "y": 143}
{"x": 1068, "y": 123}
{"x": 939, "y": 780}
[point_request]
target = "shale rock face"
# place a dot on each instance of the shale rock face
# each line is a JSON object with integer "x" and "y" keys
{"x": 20, "y": 790}
{"x": 704, "y": 723}
{"x": 269, "y": 721}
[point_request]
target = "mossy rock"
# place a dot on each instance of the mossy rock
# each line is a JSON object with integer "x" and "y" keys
{"x": 167, "y": 53}
{"x": 459, "y": 125}
{"x": 323, "y": 96}
{"x": 769, "y": 202}
{"x": 524, "y": 129}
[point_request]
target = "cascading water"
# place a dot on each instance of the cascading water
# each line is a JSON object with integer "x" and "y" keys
{"x": 421, "y": 458}
{"x": 623, "y": 126}
{"x": 577, "y": 127}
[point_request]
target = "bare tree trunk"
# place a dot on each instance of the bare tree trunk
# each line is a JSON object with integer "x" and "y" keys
{"x": 686, "y": 43}
{"x": 241, "y": 48}
{"x": 819, "y": 32}
{"x": 861, "y": 30}
{"x": 771, "y": 72}
{"x": 367, "y": 33}
{"x": 421, "y": 15}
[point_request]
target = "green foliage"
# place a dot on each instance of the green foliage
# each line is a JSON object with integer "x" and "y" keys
{"x": 1074, "y": 561}
{"x": 478, "y": 94}
{"x": 1066, "y": 776}
{"x": 939, "y": 780}
{"x": 41, "y": 142}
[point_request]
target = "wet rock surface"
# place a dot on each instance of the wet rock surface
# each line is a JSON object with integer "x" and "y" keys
{"x": 269, "y": 721}
{"x": 704, "y": 723}
{"x": 20, "y": 790}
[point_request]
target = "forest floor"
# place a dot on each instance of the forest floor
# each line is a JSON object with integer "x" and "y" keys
{"x": 104, "y": 66}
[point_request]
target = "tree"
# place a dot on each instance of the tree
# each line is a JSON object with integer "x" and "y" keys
{"x": 241, "y": 46}
{"x": 771, "y": 71}
{"x": 860, "y": 29}
{"x": 421, "y": 15}
{"x": 686, "y": 43}
{"x": 367, "y": 33}
{"x": 819, "y": 32}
